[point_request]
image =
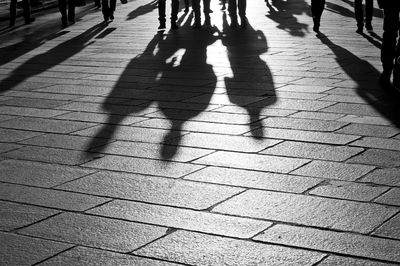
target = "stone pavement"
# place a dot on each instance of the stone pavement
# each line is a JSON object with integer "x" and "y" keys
{"x": 220, "y": 146}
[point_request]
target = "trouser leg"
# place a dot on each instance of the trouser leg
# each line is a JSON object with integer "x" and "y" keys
{"x": 13, "y": 11}
{"x": 390, "y": 32}
{"x": 26, "y": 4}
{"x": 369, "y": 10}
{"x": 197, "y": 12}
{"x": 174, "y": 10}
{"x": 232, "y": 11}
{"x": 358, "y": 13}
{"x": 71, "y": 11}
{"x": 161, "y": 12}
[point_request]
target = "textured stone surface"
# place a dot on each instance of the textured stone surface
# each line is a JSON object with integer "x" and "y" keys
{"x": 378, "y": 143}
{"x": 95, "y": 231}
{"x": 344, "y": 243}
{"x": 307, "y": 210}
{"x": 12, "y": 135}
{"x": 369, "y": 130}
{"x": 333, "y": 260}
{"x": 201, "y": 249}
{"x": 383, "y": 158}
{"x": 392, "y": 197}
{"x": 389, "y": 176}
{"x": 153, "y": 189}
{"x": 390, "y": 229}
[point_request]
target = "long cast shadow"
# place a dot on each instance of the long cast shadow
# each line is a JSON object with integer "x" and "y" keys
{"x": 143, "y": 10}
{"x": 362, "y": 72}
{"x": 48, "y": 59}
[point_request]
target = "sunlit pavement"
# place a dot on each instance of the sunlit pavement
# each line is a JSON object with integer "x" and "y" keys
{"x": 216, "y": 146}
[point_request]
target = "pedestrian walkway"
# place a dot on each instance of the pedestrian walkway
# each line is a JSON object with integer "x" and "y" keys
{"x": 121, "y": 145}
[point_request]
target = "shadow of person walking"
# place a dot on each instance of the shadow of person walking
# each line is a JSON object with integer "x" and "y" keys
{"x": 244, "y": 48}
{"x": 366, "y": 77}
{"x": 143, "y": 10}
{"x": 50, "y": 58}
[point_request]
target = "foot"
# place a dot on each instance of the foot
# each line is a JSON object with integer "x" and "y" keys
{"x": 186, "y": 9}
{"x": 223, "y": 7}
{"x": 316, "y": 28}
{"x": 197, "y": 25}
{"x": 72, "y": 20}
{"x": 29, "y": 21}
{"x": 162, "y": 26}
{"x": 359, "y": 30}
{"x": 111, "y": 16}
{"x": 64, "y": 22}
{"x": 243, "y": 22}
{"x": 174, "y": 26}
{"x": 316, "y": 24}
{"x": 368, "y": 27}
{"x": 384, "y": 81}
{"x": 207, "y": 22}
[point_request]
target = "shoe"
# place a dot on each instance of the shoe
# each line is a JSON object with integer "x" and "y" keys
{"x": 112, "y": 16}
{"x": 207, "y": 22}
{"x": 29, "y": 20}
{"x": 243, "y": 22}
{"x": 72, "y": 20}
{"x": 316, "y": 24}
{"x": 368, "y": 27}
{"x": 223, "y": 8}
{"x": 64, "y": 22}
{"x": 197, "y": 25}
{"x": 186, "y": 10}
{"x": 174, "y": 26}
{"x": 105, "y": 18}
{"x": 162, "y": 26}
{"x": 384, "y": 81}
{"x": 359, "y": 30}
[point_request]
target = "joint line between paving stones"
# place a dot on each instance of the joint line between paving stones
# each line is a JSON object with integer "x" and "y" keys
{"x": 383, "y": 223}
{"x": 55, "y": 255}
{"x": 38, "y": 221}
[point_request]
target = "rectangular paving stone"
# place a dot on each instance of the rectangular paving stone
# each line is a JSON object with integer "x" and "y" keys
{"x": 352, "y": 109}
{"x": 92, "y": 231}
{"x": 307, "y": 210}
{"x": 368, "y": 120}
{"x": 389, "y": 176}
{"x": 201, "y": 249}
{"x": 223, "y": 142}
{"x": 49, "y": 197}
{"x": 378, "y": 143}
{"x": 182, "y": 218}
{"x": 5, "y": 147}
{"x": 348, "y": 190}
{"x": 38, "y": 174}
{"x": 334, "y": 170}
{"x": 333, "y": 260}
{"x": 34, "y": 102}
{"x": 254, "y": 179}
{"x": 40, "y": 95}
{"x": 99, "y": 118}
{"x": 151, "y": 150}
{"x": 143, "y": 166}
{"x": 330, "y": 241}
{"x": 152, "y": 189}
{"x": 390, "y": 229}
{"x": 303, "y": 135}
{"x": 392, "y": 197}
{"x": 76, "y": 89}
{"x": 13, "y": 135}
{"x": 252, "y": 161}
{"x": 23, "y": 250}
{"x": 317, "y": 115}
{"x": 292, "y": 104}
{"x": 302, "y": 88}
{"x": 369, "y": 130}
{"x": 13, "y": 215}
{"x": 48, "y": 155}
{"x": 83, "y": 256}
{"x": 303, "y": 124}
{"x": 46, "y": 125}
{"x": 313, "y": 151}
{"x": 382, "y": 158}
{"x": 27, "y": 111}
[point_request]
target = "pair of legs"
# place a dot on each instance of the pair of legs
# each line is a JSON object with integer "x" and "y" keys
{"x": 108, "y": 8}
{"x": 62, "y": 6}
{"x": 359, "y": 14}
{"x": 317, "y": 7}
{"x": 390, "y": 51}
{"x": 26, "y": 5}
{"x": 239, "y": 5}
{"x": 174, "y": 13}
{"x": 187, "y": 4}
{"x": 197, "y": 12}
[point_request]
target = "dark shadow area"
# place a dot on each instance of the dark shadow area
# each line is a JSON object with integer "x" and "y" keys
{"x": 372, "y": 40}
{"x": 366, "y": 76}
{"x": 341, "y": 10}
{"x": 143, "y": 10}
{"x": 244, "y": 48}
{"x": 283, "y": 13}
{"x": 53, "y": 57}
{"x": 377, "y": 12}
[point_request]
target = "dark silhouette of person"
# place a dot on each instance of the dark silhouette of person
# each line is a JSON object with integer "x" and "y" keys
{"x": 26, "y": 5}
{"x": 223, "y": 3}
{"x": 97, "y": 3}
{"x": 142, "y": 10}
{"x": 244, "y": 49}
{"x": 390, "y": 52}
{"x": 237, "y": 6}
{"x": 317, "y": 8}
{"x": 162, "y": 15}
{"x": 67, "y": 14}
{"x": 108, "y": 9}
{"x": 197, "y": 12}
{"x": 187, "y": 5}
{"x": 359, "y": 14}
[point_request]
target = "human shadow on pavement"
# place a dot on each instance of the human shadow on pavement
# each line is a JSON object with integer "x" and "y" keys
{"x": 284, "y": 13}
{"x": 244, "y": 48}
{"x": 175, "y": 58}
{"x": 143, "y": 10}
{"x": 366, "y": 77}
{"x": 51, "y": 58}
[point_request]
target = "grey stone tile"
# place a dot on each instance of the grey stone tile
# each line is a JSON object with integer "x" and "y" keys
{"x": 304, "y": 88}
{"x": 392, "y": 197}
{"x": 390, "y": 229}
{"x": 81, "y": 256}
{"x": 333, "y": 260}
{"x": 378, "y": 143}
{"x": 292, "y": 104}
{"x": 317, "y": 115}
{"x": 40, "y": 95}
{"x": 389, "y": 176}
{"x": 100, "y": 118}
{"x": 152, "y": 189}
{"x": 352, "y": 109}
{"x": 143, "y": 166}
{"x": 13, "y": 135}
{"x": 22, "y": 250}
{"x": 38, "y": 174}
{"x": 182, "y": 218}
{"x": 313, "y": 151}
{"x": 76, "y": 89}
{"x": 303, "y": 135}
{"x": 49, "y": 197}
{"x": 5, "y": 147}
{"x": 46, "y": 125}
{"x": 6, "y": 117}
{"x": 152, "y": 151}
{"x": 307, "y": 210}
{"x": 363, "y": 119}
{"x": 13, "y": 215}
{"x": 252, "y": 161}
{"x": 348, "y": 190}
{"x": 382, "y": 158}
{"x": 49, "y": 155}
{"x": 303, "y": 124}
{"x": 27, "y": 111}
{"x": 200, "y": 249}
{"x": 254, "y": 179}
{"x": 334, "y": 170}
{"x": 95, "y": 231}
{"x": 369, "y": 130}
{"x": 264, "y": 112}
{"x": 34, "y": 102}
{"x": 338, "y": 242}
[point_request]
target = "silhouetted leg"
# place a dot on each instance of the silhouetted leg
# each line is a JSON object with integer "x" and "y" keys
{"x": 97, "y": 3}
{"x": 174, "y": 13}
{"x": 207, "y": 10}
{"x": 26, "y": 4}
{"x": 71, "y": 11}
{"x": 13, "y": 12}
{"x": 242, "y": 12}
{"x": 359, "y": 14}
{"x": 161, "y": 13}
{"x": 369, "y": 9}
{"x": 62, "y": 7}
{"x": 186, "y": 6}
{"x": 197, "y": 13}
{"x": 317, "y": 7}
{"x": 113, "y": 4}
{"x": 232, "y": 12}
